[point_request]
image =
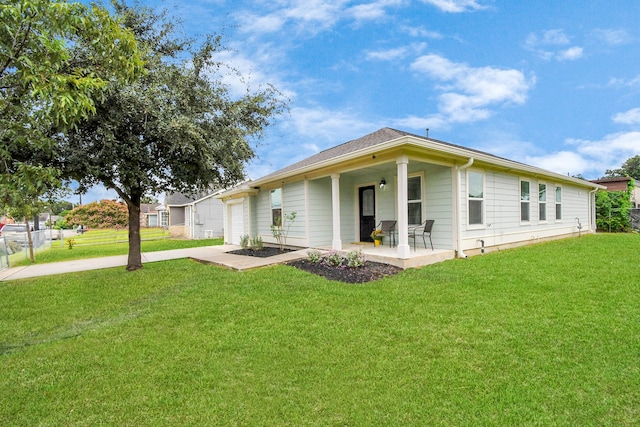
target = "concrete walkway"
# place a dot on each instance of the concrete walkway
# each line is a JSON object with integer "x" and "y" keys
{"x": 207, "y": 254}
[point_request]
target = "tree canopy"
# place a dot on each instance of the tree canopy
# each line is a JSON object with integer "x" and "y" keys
{"x": 176, "y": 129}
{"x": 630, "y": 168}
{"x": 44, "y": 89}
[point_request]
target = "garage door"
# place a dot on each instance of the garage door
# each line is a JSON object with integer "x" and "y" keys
{"x": 237, "y": 223}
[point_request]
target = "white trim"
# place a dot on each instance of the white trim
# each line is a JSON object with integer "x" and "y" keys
{"x": 483, "y": 199}
{"x": 529, "y": 202}
{"x": 423, "y": 208}
{"x": 556, "y": 203}
{"x": 336, "y": 243}
{"x": 546, "y": 203}
{"x": 404, "y": 250}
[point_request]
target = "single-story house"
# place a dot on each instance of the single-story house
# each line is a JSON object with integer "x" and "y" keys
{"x": 478, "y": 201}
{"x": 198, "y": 217}
{"x": 152, "y": 215}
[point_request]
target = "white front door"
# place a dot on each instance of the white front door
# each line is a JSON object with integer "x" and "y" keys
{"x": 237, "y": 223}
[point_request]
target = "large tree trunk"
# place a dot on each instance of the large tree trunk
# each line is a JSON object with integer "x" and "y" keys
{"x": 135, "y": 256}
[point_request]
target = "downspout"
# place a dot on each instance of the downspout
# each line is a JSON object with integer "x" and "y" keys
{"x": 592, "y": 213}
{"x": 459, "y": 170}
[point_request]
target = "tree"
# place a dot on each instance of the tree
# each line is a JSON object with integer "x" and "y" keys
{"x": 103, "y": 214}
{"x": 613, "y": 209}
{"x": 630, "y": 168}
{"x": 45, "y": 90}
{"x": 177, "y": 129}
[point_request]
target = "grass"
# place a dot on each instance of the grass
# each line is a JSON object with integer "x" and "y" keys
{"x": 543, "y": 335}
{"x": 57, "y": 253}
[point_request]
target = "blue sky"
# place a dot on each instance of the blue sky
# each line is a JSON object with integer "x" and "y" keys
{"x": 551, "y": 84}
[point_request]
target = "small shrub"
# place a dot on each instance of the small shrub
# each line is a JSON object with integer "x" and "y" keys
{"x": 333, "y": 259}
{"x": 256, "y": 243}
{"x": 70, "y": 243}
{"x": 244, "y": 241}
{"x": 314, "y": 256}
{"x": 355, "y": 258}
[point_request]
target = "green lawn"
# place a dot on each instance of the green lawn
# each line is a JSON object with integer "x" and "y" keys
{"x": 543, "y": 335}
{"x": 58, "y": 253}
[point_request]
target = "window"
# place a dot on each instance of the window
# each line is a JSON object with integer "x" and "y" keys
{"x": 525, "y": 201}
{"x": 276, "y": 207}
{"x": 542, "y": 202}
{"x": 558, "y": 203}
{"x": 475, "y": 185}
{"x": 414, "y": 191}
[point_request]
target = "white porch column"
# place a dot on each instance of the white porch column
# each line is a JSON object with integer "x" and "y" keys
{"x": 336, "y": 243}
{"x": 403, "y": 208}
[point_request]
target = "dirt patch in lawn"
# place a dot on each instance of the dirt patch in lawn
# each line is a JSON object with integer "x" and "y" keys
{"x": 368, "y": 272}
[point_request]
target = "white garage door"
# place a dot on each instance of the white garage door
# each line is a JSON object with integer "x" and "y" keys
{"x": 237, "y": 223}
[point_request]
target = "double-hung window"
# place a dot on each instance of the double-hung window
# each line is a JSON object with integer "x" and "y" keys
{"x": 525, "y": 201}
{"x": 558, "y": 203}
{"x": 475, "y": 186}
{"x": 414, "y": 192}
{"x": 276, "y": 207}
{"x": 542, "y": 202}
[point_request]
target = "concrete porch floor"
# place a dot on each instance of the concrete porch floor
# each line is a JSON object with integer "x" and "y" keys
{"x": 389, "y": 255}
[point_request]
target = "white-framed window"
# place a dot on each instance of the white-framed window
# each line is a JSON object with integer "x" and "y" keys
{"x": 276, "y": 207}
{"x": 475, "y": 198}
{"x": 525, "y": 201}
{"x": 414, "y": 193}
{"x": 558, "y": 203}
{"x": 542, "y": 202}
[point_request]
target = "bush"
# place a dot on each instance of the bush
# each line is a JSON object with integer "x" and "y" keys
{"x": 355, "y": 259}
{"x": 244, "y": 241}
{"x": 333, "y": 259}
{"x": 256, "y": 243}
{"x": 314, "y": 256}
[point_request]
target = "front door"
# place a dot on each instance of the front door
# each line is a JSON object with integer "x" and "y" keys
{"x": 367, "y": 199}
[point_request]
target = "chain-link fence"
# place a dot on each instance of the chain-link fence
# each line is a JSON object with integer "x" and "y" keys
{"x": 14, "y": 247}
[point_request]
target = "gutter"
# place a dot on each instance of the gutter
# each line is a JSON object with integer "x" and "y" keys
{"x": 458, "y": 217}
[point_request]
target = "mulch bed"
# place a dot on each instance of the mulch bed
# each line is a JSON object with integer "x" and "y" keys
{"x": 265, "y": 252}
{"x": 368, "y": 272}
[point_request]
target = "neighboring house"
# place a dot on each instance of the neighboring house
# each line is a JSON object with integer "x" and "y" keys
{"x": 622, "y": 184}
{"x": 477, "y": 200}
{"x": 151, "y": 215}
{"x": 194, "y": 218}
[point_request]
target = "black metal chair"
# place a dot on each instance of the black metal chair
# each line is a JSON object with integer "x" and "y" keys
{"x": 423, "y": 229}
{"x": 388, "y": 228}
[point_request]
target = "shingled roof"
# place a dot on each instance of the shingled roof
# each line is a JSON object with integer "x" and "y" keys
{"x": 375, "y": 138}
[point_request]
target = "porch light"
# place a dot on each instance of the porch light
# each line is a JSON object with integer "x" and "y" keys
{"x": 382, "y": 183}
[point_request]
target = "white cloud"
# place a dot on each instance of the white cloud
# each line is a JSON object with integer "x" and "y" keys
{"x": 613, "y": 37}
{"x": 590, "y": 158}
{"x": 628, "y": 117}
{"x": 570, "y": 54}
{"x": 251, "y": 23}
{"x": 455, "y": 6}
{"x": 371, "y": 11}
{"x": 469, "y": 93}
{"x": 547, "y": 45}
{"x": 397, "y": 53}
{"x": 420, "y": 32}
{"x": 616, "y": 82}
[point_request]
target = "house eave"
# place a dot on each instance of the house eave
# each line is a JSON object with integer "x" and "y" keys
{"x": 455, "y": 153}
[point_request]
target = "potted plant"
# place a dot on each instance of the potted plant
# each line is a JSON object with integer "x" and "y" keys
{"x": 377, "y": 236}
